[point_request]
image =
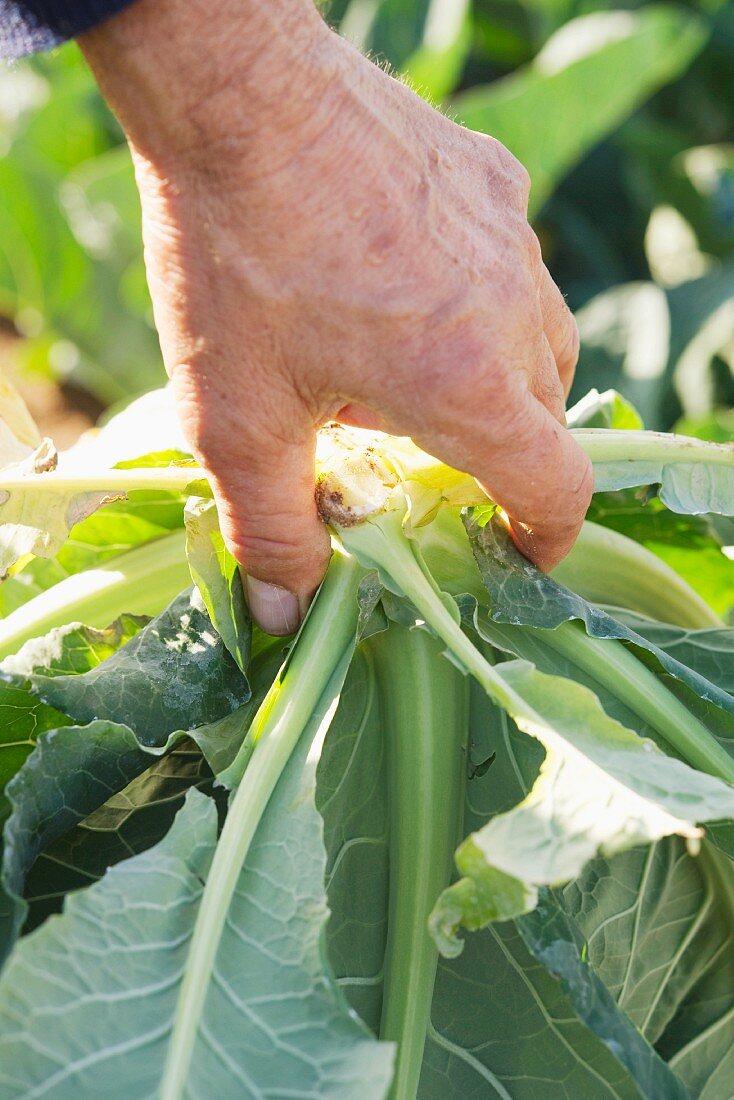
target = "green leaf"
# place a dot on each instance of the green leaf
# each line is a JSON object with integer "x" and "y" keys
{"x": 520, "y": 594}
{"x": 109, "y": 533}
{"x": 604, "y": 410}
{"x": 710, "y": 653}
{"x": 692, "y": 546}
{"x": 656, "y": 345}
{"x": 503, "y": 1027}
{"x": 173, "y": 676}
{"x": 498, "y": 1018}
{"x": 134, "y": 819}
{"x": 553, "y": 938}
{"x": 693, "y": 476}
{"x": 658, "y": 927}
{"x": 73, "y": 649}
{"x": 273, "y": 1018}
{"x": 587, "y": 79}
{"x": 435, "y": 66}
{"x": 24, "y": 719}
{"x": 99, "y": 769}
{"x": 72, "y": 771}
{"x": 601, "y": 789}
{"x": 217, "y": 576}
{"x": 33, "y": 523}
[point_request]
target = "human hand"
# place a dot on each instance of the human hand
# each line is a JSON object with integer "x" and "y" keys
{"x": 320, "y": 243}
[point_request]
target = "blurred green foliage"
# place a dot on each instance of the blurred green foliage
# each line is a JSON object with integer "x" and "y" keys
{"x": 624, "y": 117}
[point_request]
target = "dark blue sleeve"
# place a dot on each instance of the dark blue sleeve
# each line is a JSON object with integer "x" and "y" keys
{"x": 28, "y": 26}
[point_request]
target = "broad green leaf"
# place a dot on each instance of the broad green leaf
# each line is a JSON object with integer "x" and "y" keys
{"x": 273, "y": 1018}
{"x": 173, "y": 676}
{"x": 351, "y": 796}
{"x": 100, "y": 769}
{"x": 73, "y": 649}
{"x": 40, "y": 503}
{"x": 681, "y": 710}
{"x": 131, "y": 821}
{"x": 39, "y": 524}
{"x": 708, "y": 652}
{"x": 500, "y": 1024}
{"x": 554, "y": 939}
{"x": 693, "y": 476}
{"x": 656, "y": 920}
{"x": 587, "y": 79}
{"x": 38, "y": 510}
{"x": 217, "y": 576}
{"x": 67, "y": 774}
{"x": 71, "y": 772}
{"x": 503, "y": 1028}
{"x": 658, "y": 927}
{"x": 601, "y": 789}
{"x": 106, "y": 534}
{"x": 521, "y": 595}
{"x": 23, "y": 718}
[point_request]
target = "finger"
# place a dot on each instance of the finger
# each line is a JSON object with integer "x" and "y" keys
{"x": 264, "y": 491}
{"x": 560, "y": 329}
{"x": 537, "y": 473}
{"x": 360, "y": 416}
{"x": 545, "y": 384}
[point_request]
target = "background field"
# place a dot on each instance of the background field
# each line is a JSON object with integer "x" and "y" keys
{"x": 624, "y": 117}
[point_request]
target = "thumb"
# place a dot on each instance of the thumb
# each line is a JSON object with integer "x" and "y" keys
{"x": 265, "y": 496}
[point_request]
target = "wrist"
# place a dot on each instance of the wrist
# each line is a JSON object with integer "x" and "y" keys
{"x": 187, "y": 77}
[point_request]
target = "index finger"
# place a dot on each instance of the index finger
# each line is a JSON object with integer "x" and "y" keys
{"x": 539, "y": 476}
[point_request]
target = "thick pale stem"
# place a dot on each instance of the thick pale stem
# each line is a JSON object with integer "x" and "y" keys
{"x": 616, "y": 445}
{"x": 612, "y": 664}
{"x": 141, "y": 581}
{"x": 168, "y": 478}
{"x": 425, "y": 705}
{"x": 327, "y": 635}
{"x": 384, "y": 544}
{"x": 607, "y": 567}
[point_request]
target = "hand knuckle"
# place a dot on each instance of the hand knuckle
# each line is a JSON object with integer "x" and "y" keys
{"x": 530, "y": 246}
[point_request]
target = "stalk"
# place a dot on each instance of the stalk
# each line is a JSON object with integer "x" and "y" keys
{"x": 383, "y": 543}
{"x": 621, "y": 445}
{"x": 140, "y": 581}
{"x": 325, "y": 640}
{"x": 425, "y": 707}
{"x": 170, "y": 478}
{"x": 609, "y": 568}
{"x": 612, "y": 665}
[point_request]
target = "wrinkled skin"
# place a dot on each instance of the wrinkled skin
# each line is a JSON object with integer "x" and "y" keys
{"x": 322, "y": 243}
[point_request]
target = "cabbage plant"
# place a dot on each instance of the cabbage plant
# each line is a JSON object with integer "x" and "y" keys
{"x": 468, "y": 834}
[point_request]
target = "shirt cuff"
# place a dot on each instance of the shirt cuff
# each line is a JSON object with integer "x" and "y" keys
{"x": 30, "y": 26}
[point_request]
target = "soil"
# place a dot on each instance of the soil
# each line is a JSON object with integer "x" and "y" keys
{"x": 61, "y": 411}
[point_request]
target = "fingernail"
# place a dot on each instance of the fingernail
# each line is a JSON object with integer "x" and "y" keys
{"x": 274, "y": 609}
